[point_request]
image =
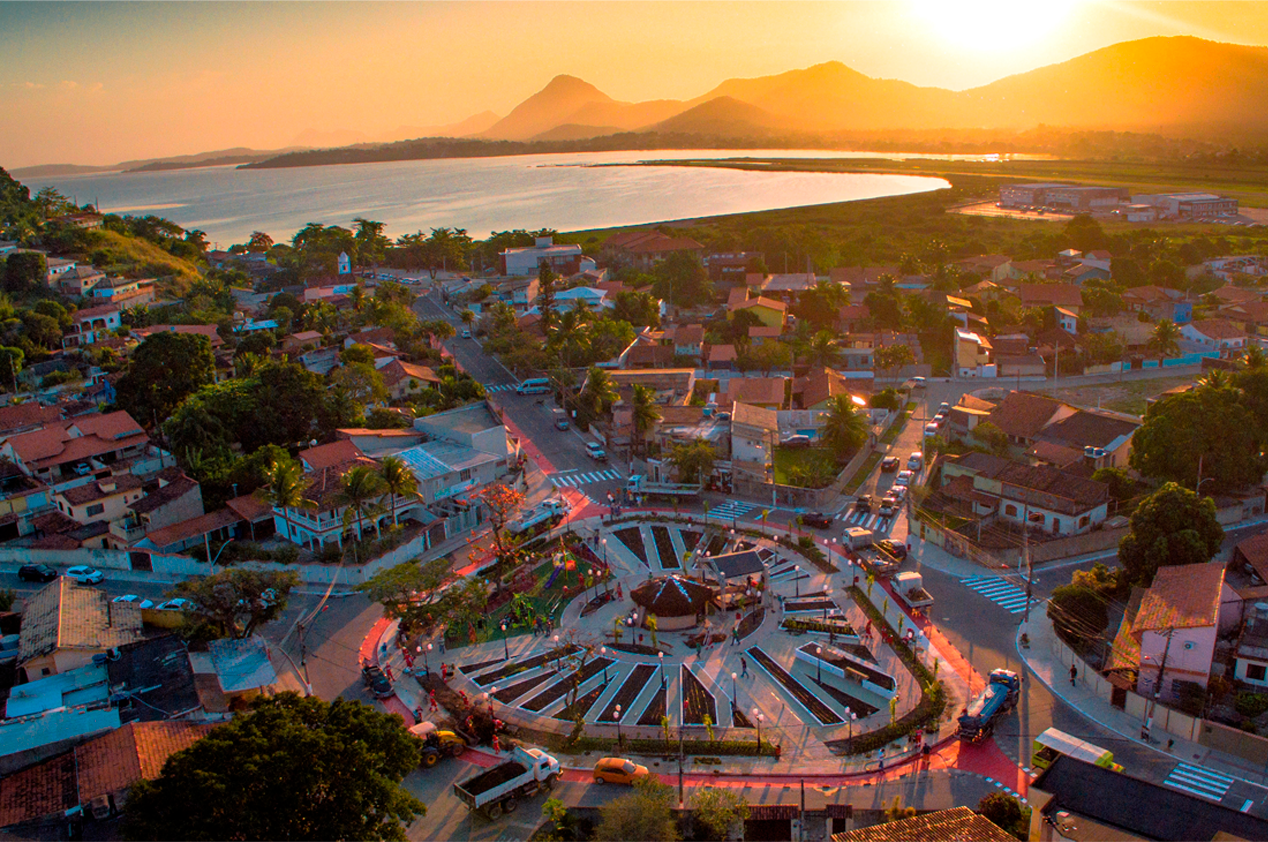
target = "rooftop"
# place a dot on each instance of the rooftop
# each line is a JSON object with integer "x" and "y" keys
{"x": 66, "y": 615}
{"x": 1181, "y": 596}
{"x": 326, "y": 455}
{"x": 959, "y": 824}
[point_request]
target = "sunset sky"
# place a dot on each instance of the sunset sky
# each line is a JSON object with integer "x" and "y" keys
{"x": 98, "y": 83}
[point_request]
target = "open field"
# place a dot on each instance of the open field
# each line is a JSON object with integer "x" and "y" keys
{"x": 1127, "y": 396}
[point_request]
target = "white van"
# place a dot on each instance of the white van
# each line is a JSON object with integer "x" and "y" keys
{"x": 534, "y": 386}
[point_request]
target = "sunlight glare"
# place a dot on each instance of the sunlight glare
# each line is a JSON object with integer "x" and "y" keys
{"x": 994, "y": 25}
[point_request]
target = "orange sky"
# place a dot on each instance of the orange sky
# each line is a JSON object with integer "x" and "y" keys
{"x": 97, "y": 83}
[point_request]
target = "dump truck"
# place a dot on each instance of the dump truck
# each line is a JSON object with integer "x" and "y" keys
{"x": 498, "y": 790}
{"x": 437, "y": 743}
{"x": 999, "y": 697}
{"x": 548, "y": 511}
{"x": 910, "y": 588}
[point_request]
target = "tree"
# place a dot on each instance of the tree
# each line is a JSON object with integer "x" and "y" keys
{"x": 995, "y": 439}
{"x": 823, "y": 351}
{"x": 407, "y": 590}
{"x": 681, "y": 279}
{"x": 360, "y": 490}
{"x": 845, "y": 429}
{"x": 259, "y": 242}
{"x": 563, "y": 823}
{"x": 766, "y": 357}
{"x": 694, "y": 461}
{"x": 598, "y": 394}
{"x": 398, "y": 479}
{"x": 502, "y": 502}
{"x": 361, "y": 382}
{"x": 546, "y": 295}
{"x": 1078, "y": 615}
{"x": 166, "y": 369}
{"x": 715, "y": 810}
{"x": 645, "y": 413}
{"x": 1165, "y": 341}
{"x": 285, "y": 486}
{"x": 236, "y": 602}
{"x": 896, "y": 812}
{"x": 1121, "y": 486}
{"x": 645, "y": 814}
{"x": 25, "y": 271}
{"x": 1211, "y": 432}
{"x": 1171, "y": 526}
{"x": 292, "y": 768}
{"x": 1004, "y": 812}
{"x": 1255, "y": 358}
{"x": 892, "y": 357}
{"x": 11, "y": 360}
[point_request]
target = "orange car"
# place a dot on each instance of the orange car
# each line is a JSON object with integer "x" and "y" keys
{"x": 618, "y": 770}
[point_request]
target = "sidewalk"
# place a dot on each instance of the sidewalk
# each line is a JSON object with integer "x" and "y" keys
{"x": 1054, "y": 672}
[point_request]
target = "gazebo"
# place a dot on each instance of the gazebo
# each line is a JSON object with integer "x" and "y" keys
{"x": 735, "y": 572}
{"x": 676, "y": 602}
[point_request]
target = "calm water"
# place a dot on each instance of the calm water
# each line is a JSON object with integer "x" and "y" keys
{"x": 478, "y": 194}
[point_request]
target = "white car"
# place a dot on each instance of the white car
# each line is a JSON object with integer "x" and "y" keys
{"x": 915, "y": 461}
{"x": 595, "y": 451}
{"x": 134, "y": 600}
{"x": 466, "y": 334}
{"x": 904, "y": 478}
{"x": 931, "y": 429}
{"x": 898, "y": 492}
{"x": 85, "y": 575}
{"x": 176, "y": 605}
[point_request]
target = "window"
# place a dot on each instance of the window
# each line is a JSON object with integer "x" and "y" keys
{"x": 465, "y": 475}
{"x": 1083, "y": 521}
{"x": 1056, "y": 524}
{"x": 1256, "y": 672}
{"x": 95, "y": 509}
{"x": 1010, "y": 510}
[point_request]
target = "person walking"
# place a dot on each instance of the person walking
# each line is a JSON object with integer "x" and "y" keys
{"x": 1074, "y": 674}
{"x": 743, "y": 667}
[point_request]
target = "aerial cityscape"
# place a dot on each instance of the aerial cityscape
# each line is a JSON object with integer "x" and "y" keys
{"x": 823, "y": 422}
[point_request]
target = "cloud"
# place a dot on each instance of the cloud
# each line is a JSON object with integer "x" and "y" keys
{"x": 68, "y": 85}
{"x": 30, "y": 86}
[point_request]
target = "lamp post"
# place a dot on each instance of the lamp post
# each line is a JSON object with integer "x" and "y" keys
{"x": 797, "y": 579}
{"x": 603, "y": 651}
{"x": 850, "y": 716}
{"x": 827, "y": 595}
{"x": 618, "y": 725}
{"x": 661, "y": 657}
{"x": 558, "y": 655}
{"x": 426, "y": 663}
{"x": 506, "y": 648}
{"x": 604, "y": 543}
{"x": 819, "y": 660}
{"x": 758, "y": 719}
{"x": 734, "y": 692}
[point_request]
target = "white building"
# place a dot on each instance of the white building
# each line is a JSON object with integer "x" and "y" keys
{"x": 562, "y": 259}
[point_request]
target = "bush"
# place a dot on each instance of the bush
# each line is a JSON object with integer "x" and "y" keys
{"x": 886, "y": 399}
{"x": 1251, "y": 704}
{"x": 1006, "y": 813}
{"x": 1078, "y": 616}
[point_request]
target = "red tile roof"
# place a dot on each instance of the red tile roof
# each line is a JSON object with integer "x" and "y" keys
{"x": 1024, "y": 414}
{"x": 1219, "y": 329}
{"x": 325, "y": 455}
{"x": 77, "y": 440}
{"x": 1059, "y": 295}
{"x": 762, "y": 301}
{"x": 192, "y": 528}
{"x": 1181, "y": 596}
{"x": 29, "y": 415}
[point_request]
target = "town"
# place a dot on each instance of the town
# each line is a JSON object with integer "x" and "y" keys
{"x": 969, "y": 543}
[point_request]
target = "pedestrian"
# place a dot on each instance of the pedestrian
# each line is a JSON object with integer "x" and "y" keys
{"x": 387, "y": 668}
{"x": 881, "y": 757}
{"x": 1170, "y": 745}
{"x": 743, "y": 667}
{"x": 497, "y": 745}
{"x": 431, "y": 700}
{"x": 1074, "y": 673}
{"x": 418, "y": 715}
{"x": 442, "y": 644}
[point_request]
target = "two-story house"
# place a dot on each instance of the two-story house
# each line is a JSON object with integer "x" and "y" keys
{"x": 92, "y": 324}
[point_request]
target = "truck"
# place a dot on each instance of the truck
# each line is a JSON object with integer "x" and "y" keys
{"x": 999, "y": 697}
{"x": 546, "y": 512}
{"x": 639, "y": 484}
{"x": 437, "y": 743}
{"x": 911, "y": 590}
{"x": 498, "y": 790}
{"x": 856, "y": 537}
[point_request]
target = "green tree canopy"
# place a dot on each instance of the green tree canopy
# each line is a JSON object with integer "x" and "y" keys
{"x": 165, "y": 369}
{"x": 845, "y": 429}
{"x": 25, "y": 271}
{"x": 1210, "y": 426}
{"x": 236, "y": 602}
{"x": 1171, "y": 526}
{"x": 694, "y": 460}
{"x": 645, "y": 814}
{"x": 292, "y": 768}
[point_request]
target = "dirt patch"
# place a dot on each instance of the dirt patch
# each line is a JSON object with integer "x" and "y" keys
{"x": 1126, "y": 396}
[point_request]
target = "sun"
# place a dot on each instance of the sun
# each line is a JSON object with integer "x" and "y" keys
{"x": 992, "y": 25}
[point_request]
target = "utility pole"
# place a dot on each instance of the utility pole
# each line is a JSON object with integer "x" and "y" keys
{"x": 1157, "y": 685}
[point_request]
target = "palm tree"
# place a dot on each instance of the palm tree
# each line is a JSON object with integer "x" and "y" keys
{"x": 1255, "y": 358}
{"x": 822, "y": 351}
{"x": 360, "y": 487}
{"x": 285, "y": 486}
{"x": 1166, "y": 339}
{"x": 599, "y": 393}
{"x": 398, "y": 479}
{"x": 1215, "y": 379}
{"x": 846, "y": 428}
{"x": 646, "y": 413}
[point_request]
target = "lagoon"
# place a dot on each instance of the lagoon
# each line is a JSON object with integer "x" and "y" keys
{"x": 566, "y": 192}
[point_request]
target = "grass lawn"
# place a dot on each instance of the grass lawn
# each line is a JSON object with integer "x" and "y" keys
{"x": 861, "y": 475}
{"x": 809, "y": 459}
{"x": 548, "y": 602}
{"x": 1128, "y": 396}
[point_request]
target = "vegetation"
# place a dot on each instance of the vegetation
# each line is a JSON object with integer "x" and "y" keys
{"x": 234, "y": 603}
{"x": 645, "y": 814}
{"x": 292, "y": 768}
{"x": 694, "y": 460}
{"x": 1006, "y": 813}
{"x": 164, "y": 370}
{"x": 1171, "y": 526}
{"x": 845, "y": 429}
{"x": 715, "y": 810}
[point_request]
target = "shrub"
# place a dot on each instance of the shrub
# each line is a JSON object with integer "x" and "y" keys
{"x": 1251, "y": 704}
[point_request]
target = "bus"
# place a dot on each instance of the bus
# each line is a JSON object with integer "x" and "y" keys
{"x": 1052, "y": 742}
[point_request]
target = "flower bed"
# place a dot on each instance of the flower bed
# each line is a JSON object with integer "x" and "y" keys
{"x": 635, "y": 648}
{"x": 559, "y": 689}
{"x": 847, "y": 665}
{"x": 509, "y": 694}
{"x": 752, "y": 622}
{"x": 655, "y": 710}
{"x": 522, "y": 666}
{"x": 665, "y": 548}
{"x": 716, "y": 545}
{"x": 858, "y": 706}
{"x": 690, "y": 538}
{"x": 739, "y": 720}
{"x": 793, "y": 605}
{"x": 470, "y": 668}
{"x": 579, "y": 709}
{"x": 696, "y": 701}
{"x": 832, "y": 626}
{"x": 731, "y": 748}
{"x": 598, "y": 602}
{"x": 632, "y": 538}
{"x": 809, "y": 700}
{"x": 629, "y": 691}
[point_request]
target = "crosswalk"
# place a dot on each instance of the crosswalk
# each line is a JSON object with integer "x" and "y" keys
{"x": 501, "y": 387}
{"x": 999, "y": 591}
{"x": 867, "y": 520}
{"x": 732, "y": 509}
{"x": 1197, "y": 780}
{"x": 578, "y": 479}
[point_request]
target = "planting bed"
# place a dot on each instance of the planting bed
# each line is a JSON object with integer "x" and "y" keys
{"x": 690, "y": 538}
{"x": 752, "y": 622}
{"x": 633, "y": 538}
{"x": 521, "y": 666}
{"x": 716, "y": 545}
{"x": 581, "y": 707}
{"x": 832, "y": 626}
{"x": 509, "y": 694}
{"x": 696, "y": 701}
{"x": 739, "y": 720}
{"x": 665, "y": 548}
{"x": 560, "y": 688}
{"x": 744, "y": 545}
{"x": 598, "y": 602}
{"x": 629, "y": 691}
{"x": 791, "y": 605}
{"x": 469, "y": 668}
{"x": 655, "y": 709}
{"x": 799, "y": 691}
{"x": 875, "y": 676}
{"x": 634, "y": 648}
{"x": 861, "y": 708}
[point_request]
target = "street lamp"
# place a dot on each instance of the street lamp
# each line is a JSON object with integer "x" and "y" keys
{"x": 604, "y": 543}
{"x": 819, "y": 660}
{"x": 618, "y": 725}
{"x": 506, "y": 647}
{"x": 827, "y": 595}
{"x": 558, "y": 655}
{"x": 661, "y": 656}
{"x": 492, "y": 690}
{"x": 850, "y": 716}
{"x": 426, "y": 663}
{"x": 797, "y": 579}
{"x": 734, "y": 693}
{"x": 758, "y": 718}
{"x": 603, "y": 651}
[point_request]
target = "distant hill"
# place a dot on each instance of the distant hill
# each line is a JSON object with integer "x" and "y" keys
{"x": 721, "y": 116}
{"x": 552, "y": 106}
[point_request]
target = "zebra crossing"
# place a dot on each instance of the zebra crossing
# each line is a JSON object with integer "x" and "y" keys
{"x": 733, "y": 509}
{"x": 501, "y": 387}
{"x": 999, "y": 591}
{"x": 1197, "y": 780}
{"x": 867, "y": 520}
{"x": 578, "y": 479}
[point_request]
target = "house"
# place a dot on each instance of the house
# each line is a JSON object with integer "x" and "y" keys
{"x": 22, "y": 499}
{"x": 328, "y": 455}
{"x": 91, "y": 324}
{"x": 972, "y": 354}
{"x": 66, "y": 623}
{"x": 209, "y": 331}
{"x": 467, "y": 449}
{"x": 1229, "y": 294}
{"x": 24, "y": 417}
{"x": 721, "y": 358}
{"x": 379, "y": 443}
{"x": 78, "y": 280}
{"x": 298, "y": 341}
{"x": 1218, "y": 334}
{"x": 1250, "y": 657}
{"x": 852, "y": 318}
{"x": 767, "y": 392}
{"x": 124, "y": 292}
{"x": 1076, "y": 800}
{"x": 643, "y": 355}
{"x": 688, "y": 340}
{"x": 67, "y": 451}
{"x": 1168, "y": 633}
{"x": 520, "y": 293}
{"x": 1038, "y": 496}
{"x": 231, "y": 670}
{"x": 643, "y": 249}
{"x": 953, "y": 825}
{"x": 732, "y": 267}
{"x": 403, "y": 379}
{"x": 1023, "y": 415}
{"x": 105, "y": 500}
{"x": 1252, "y": 317}
{"x": 818, "y": 389}
{"x": 176, "y": 499}
{"x": 1102, "y": 436}
{"x": 1019, "y": 365}
{"x": 788, "y": 286}
{"x": 758, "y": 334}
{"x": 988, "y": 267}
{"x": 1051, "y": 295}
{"x": 754, "y": 433}
{"x": 1067, "y": 320}
{"x": 670, "y": 385}
{"x": 769, "y": 312}
{"x": 1021, "y": 270}
{"x": 562, "y": 259}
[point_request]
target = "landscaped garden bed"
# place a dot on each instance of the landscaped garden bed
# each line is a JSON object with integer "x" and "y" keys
{"x": 832, "y": 626}
{"x": 476, "y": 667}
{"x": 598, "y": 602}
{"x": 579, "y": 709}
{"x": 632, "y": 537}
{"x": 509, "y": 694}
{"x": 560, "y": 688}
{"x": 697, "y": 702}
{"x": 717, "y": 544}
{"x": 633, "y": 685}
{"x": 800, "y": 692}
{"x": 655, "y": 710}
{"x": 516, "y": 667}
{"x": 690, "y": 747}
{"x": 752, "y": 622}
{"x": 665, "y": 548}
{"x": 690, "y": 538}
{"x": 792, "y": 606}
{"x": 849, "y": 665}
{"x": 739, "y": 720}
{"x": 635, "y": 648}
{"x": 859, "y": 707}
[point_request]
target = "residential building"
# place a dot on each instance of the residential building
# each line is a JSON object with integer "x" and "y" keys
{"x": 1051, "y": 295}
{"x": 78, "y": 280}
{"x": 688, "y": 340}
{"x": 232, "y": 670}
{"x": 1023, "y": 415}
{"x": 721, "y": 358}
{"x": 105, "y": 500}
{"x": 972, "y": 354}
{"x": 562, "y": 259}
{"x": 669, "y": 385}
{"x": 818, "y": 389}
{"x": 57, "y": 267}
{"x": 766, "y": 392}
{"x": 66, "y": 623}
{"x": 759, "y": 334}
{"x": 754, "y": 433}
{"x": 957, "y": 823}
{"x": 643, "y": 249}
{"x": 296, "y": 342}
{"x": 1039, "y": 497}
{"x": 177, "y": 498}
{"x": 66, "y": 452}
{"x": 403, "y": 379}
{"x": 22, "y": 499}
{"x": 771, "y": 313}
{"x": 644, "y": 355}
{"x": 379, "y": 443}
{"x": 1214, "y": 334}
{"x": 1250, "y": 657}
{"x": 731, "y": 268}
{"x": 209, "y": 331}
{"x": 124, "y": 292}
{"x": 989, "y": 267}
{"x": 788, "y": 286}
{"x": 89, "y": 325}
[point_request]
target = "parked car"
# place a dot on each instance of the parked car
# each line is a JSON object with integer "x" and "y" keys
{"x": 889, "y": 507}
{"x": 618, "y": 770}
{"x": 36, "y": 573}
{"x": 596, "y": 452}
{"x": 818, "y": 520}
{"x": 916, "y": 461}
{"x": 796, "y": 442}
{"x": 889, "y": 464}
{"x": 895, "y": 548}
{"x": 944, "y": 408}
{"x": 931, "y": 429}
{"x": 376, "y": 681}
{"x": 898, "y": 492}
{"x": 904, "y": 478}
{"x": 134, "y": 600}
{"x": 918, "y": 382}
{"x": 177, "y": 604}
{"x": 864, "y": 503}
{"x": 85, "y": 575}
{"x": 466, "y": 334}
